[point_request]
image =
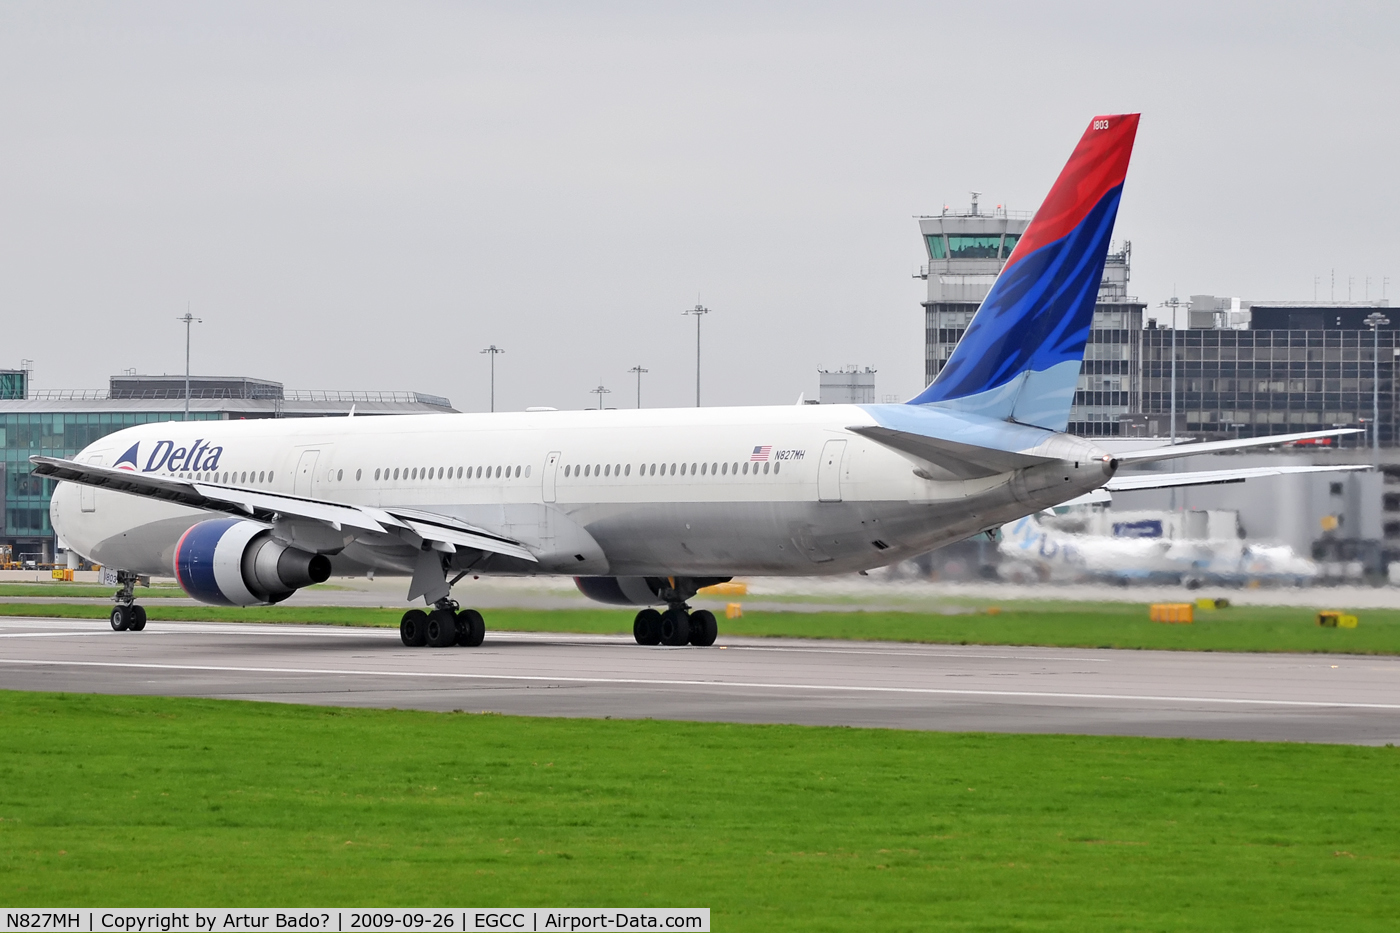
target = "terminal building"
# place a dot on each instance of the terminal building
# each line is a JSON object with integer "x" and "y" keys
{"x": 1249, "y": 369}
{"x": 61, "y": 422}
{"x": 966, "y": 252}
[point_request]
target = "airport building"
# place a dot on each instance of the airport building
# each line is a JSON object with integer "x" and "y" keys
{"x": 61, "y": 422}
{"x": 966, "y": 252}
{"x": 1249, "y": 369}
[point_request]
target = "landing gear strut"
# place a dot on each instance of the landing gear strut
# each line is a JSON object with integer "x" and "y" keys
{"x": 444, "y": 626}
{"x": 127, "y": 616}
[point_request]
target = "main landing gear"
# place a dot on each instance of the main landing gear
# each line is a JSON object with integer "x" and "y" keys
{"x": 675, "y": 627}
{"x": 445, "y": 626}
{"x": 127, "y": 616}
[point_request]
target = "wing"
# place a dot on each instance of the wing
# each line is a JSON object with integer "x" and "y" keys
{"x": 1136, "y": 481}
{"x": 1152, "y": 454}
{"x": 443, "y": 532}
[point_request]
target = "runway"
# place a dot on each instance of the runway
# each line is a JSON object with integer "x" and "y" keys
{"x": 1283, "y": 697}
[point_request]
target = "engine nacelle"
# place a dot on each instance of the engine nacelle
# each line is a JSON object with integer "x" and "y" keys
{"x": 233, "y": 562}
{"x": 642, "y": 591}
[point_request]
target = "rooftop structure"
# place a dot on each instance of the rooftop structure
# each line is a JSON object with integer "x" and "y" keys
{"x": 849, "y": 385}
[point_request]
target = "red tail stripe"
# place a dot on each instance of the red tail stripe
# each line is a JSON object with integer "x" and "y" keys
{"x": 1098, "y": 165}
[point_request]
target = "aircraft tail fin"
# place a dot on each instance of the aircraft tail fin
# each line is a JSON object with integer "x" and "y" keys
{"x": 1020, "y": 357}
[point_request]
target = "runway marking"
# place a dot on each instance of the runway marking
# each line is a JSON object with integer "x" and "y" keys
{"x": 648, "y": 682}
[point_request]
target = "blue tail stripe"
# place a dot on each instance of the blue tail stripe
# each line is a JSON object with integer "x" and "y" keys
{"x": 1036, "y": 316}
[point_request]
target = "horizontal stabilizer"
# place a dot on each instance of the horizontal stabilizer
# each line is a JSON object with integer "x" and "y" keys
{"x": 268, "y": 506}
{"x": 1136, "y": 481}
{"x": 965, "y": 461}
{"x": 1153, "y": 454}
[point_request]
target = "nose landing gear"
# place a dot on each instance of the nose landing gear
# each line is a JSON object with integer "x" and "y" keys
{"x": 443, "y": 627}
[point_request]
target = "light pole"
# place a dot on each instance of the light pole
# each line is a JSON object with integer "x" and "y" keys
{"x": 187, "y": 320}
{"x": 493, "y": 350}
{"x": 600, "y": 392}
{"x": 1375, "y": 320}
{"x": 639, "y": 370}
{"x": 1173, "y": 303}
{"x": 699, "y": 310}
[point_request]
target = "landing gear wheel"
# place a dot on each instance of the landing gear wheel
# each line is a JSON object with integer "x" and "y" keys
{"x": 413, "y": 629}
{"x": 138, "y": 619}
{"x": 442, "y": 628}
{"x": 471, "y": 628}
{"x": 647, "y": 627}
{"x": 704, "y": 628}
{"x": 675, "y": 627}
{"x": 121, "y": 618}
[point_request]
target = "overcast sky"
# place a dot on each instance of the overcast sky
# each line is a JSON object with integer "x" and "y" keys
{"x": 365, "y": 195}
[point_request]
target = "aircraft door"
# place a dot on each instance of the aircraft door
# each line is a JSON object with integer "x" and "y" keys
{"x": 306, "y": 470}
{"x": 829, "y": 472}
{"x": 87, "y": 495}
{"x": 551, "y": 465}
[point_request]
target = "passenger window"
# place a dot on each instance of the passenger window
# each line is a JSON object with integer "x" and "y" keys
{"x": 339, "y": 475}
{"x": 725, "y": 468}
{"x": 682, "y": 469}
{"x": 527, "y": 471}
{"x": 653, "y": 470}
{"x": 628, "y": 470}
{"x": 673, "y": 469}
{"x": 692, "y": 469}
{"x": 746, "y": 469}
{"x": 704, "y": 468}
{"x": 587, "y": 470}
{"x": 459, "y": 472}
{"x": 498, "y": 472}
{"x": 736, "y": 468}
{"x": 617, "y": 469}
{"x": 517, "y": 471}
{"x": 765, "y": 469}
{"x": 777, "y": 465}
{"x": 607, "y": 470}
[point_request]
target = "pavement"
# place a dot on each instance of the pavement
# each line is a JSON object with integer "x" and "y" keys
{"x": 1283, "y": 697}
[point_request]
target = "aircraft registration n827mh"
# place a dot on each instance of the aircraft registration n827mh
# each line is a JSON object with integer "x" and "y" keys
{"x": 642, "y": 507}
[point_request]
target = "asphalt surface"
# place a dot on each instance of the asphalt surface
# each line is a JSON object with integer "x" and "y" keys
{"x": 1283, "y": 697}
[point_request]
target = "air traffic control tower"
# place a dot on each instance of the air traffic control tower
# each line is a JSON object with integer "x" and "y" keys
{"x": 966, "y": 252}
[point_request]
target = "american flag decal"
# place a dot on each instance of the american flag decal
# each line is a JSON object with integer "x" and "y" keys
{"x": 761, "y": 453}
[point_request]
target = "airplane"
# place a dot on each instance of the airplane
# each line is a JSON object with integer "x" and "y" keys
{"x": 1035, "y": 551}
{"x": 641, "y": 507}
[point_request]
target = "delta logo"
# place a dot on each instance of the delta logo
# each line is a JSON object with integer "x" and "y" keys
{"x": 166, "y": 456}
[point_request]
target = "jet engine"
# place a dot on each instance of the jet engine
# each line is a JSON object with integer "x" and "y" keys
{"x": 642, "y": 591}
{"x": 234, "y": 562}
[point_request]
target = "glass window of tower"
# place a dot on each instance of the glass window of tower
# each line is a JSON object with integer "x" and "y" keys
{"x": 1008, "y": 243}
{"x": 935, "y": 246}
{"x": 973, "y": 247}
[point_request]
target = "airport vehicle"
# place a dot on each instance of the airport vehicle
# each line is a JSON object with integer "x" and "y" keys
{"x": 642, "y": 507}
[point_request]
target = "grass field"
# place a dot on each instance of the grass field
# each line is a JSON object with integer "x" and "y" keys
{"x": 1091, "y": 625}
{"x": 117, "y": 801}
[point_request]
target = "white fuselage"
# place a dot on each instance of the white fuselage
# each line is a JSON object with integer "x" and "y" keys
{"x": 696, "y": 492}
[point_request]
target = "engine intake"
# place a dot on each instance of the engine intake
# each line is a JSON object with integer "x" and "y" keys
{"x": 234, "y": 562}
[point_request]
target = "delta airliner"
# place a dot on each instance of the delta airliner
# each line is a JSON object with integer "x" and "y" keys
{"x": 641, "y": 507}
